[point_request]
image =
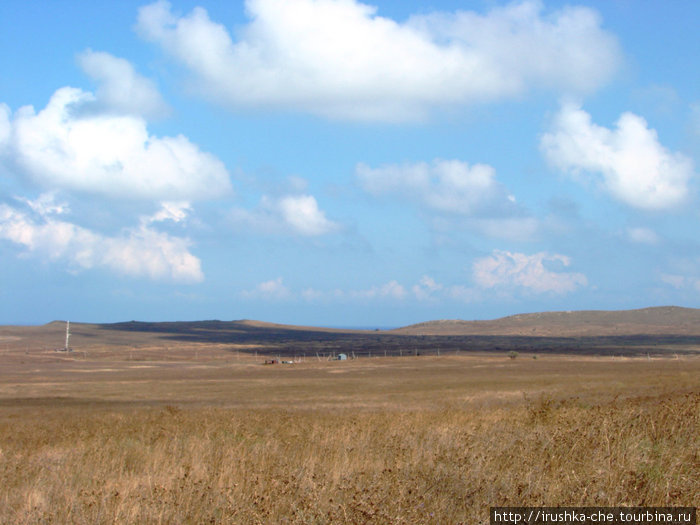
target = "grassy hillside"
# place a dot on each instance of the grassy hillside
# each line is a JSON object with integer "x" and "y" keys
{"x": 670, "y": 320}
{"x": 651, "y": 331}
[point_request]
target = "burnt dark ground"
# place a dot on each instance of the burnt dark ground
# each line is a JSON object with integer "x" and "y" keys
{"x": 284, "y": 342}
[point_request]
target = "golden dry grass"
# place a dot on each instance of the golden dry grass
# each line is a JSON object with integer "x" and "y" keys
{"x": 412, "y": 440}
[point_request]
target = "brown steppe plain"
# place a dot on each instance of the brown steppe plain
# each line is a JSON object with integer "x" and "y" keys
{"x": 150, "y": 424}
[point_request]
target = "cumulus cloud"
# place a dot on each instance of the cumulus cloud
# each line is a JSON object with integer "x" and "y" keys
{"x": 99, "y": 144}
{"x": 46, "y": 204}
{"x": 390, "y": 290}
{"x": 528, "y": 272}
{"x": 301, "y": 212}
{"x": 426, "y": 288}
{"x": 274, "y": 289}
{"x": 446, "y": 186}
{"x": 681, "y": 282}
{"x": 121, "y": 88}
{"x": 340, "y": 59}
{"x": 295, "y": 214}
{"x": 138, "y": 252}
{"x": 108, "y": 154}
{"x": 311, "y": 294}
{"x": 629, "y": 162}
{"x": 504, "y": 273}
{"x": 683, "y": 274}
{"x": 456, "y": 193}
{"x": 170, "y": 211}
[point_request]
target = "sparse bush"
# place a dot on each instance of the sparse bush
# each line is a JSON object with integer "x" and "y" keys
{"x": 513, "y": 354}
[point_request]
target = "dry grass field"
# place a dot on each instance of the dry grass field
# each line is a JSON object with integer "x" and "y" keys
{"x": 132, "y": 430}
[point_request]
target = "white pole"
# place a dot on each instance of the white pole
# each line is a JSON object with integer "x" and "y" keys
{"x": 67, "y": 335}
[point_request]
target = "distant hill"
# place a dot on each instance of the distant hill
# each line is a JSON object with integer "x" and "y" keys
{"x": 658, "y": 321}
{"x": 672, "y": 320}
{"x": 130, "y": 333}
{"x": 240, "y": 326}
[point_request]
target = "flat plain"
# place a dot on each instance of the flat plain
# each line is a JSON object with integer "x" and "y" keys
{"x": 182, "y": 423}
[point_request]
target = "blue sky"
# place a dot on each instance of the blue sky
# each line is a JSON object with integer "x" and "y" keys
{"x": 330, "y": 162}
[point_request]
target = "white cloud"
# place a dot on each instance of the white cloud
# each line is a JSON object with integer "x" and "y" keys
{"x": 684, "y": 274}
{"x": 311, "y": 294}
{"x": 461, "y": 195}
{"x": 529, "y": 272}
{"x": 121, "y": 88}
{"x": 338, "y": 58}
{"x": 681, "y": 282}
{"x": 503, "y": 274}
{"x": 138, "y": 252}
{"x": 170, "y": 211}
{"x": 108, "y": 154}
{"x": 390, "y": 290}
{"x": 295, "y": 214}
{"x": 46, "y": 204}
{"x": 446, "y": 186}
{"x": 426, "y": 288}
{"x": 633, "y": 165}
{"x": 301, "y": 212}
{"x": 274, "y": 290}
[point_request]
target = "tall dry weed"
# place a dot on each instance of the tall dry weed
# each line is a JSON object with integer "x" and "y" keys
{"x": 275, "y": 465}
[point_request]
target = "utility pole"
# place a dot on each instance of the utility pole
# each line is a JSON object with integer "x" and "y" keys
{"x": 68, "y": 348}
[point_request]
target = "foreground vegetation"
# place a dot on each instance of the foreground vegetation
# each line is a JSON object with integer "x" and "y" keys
{"x": 433, "y": 458}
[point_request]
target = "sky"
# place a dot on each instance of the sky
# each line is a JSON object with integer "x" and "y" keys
{"x": 339, "y": 163}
